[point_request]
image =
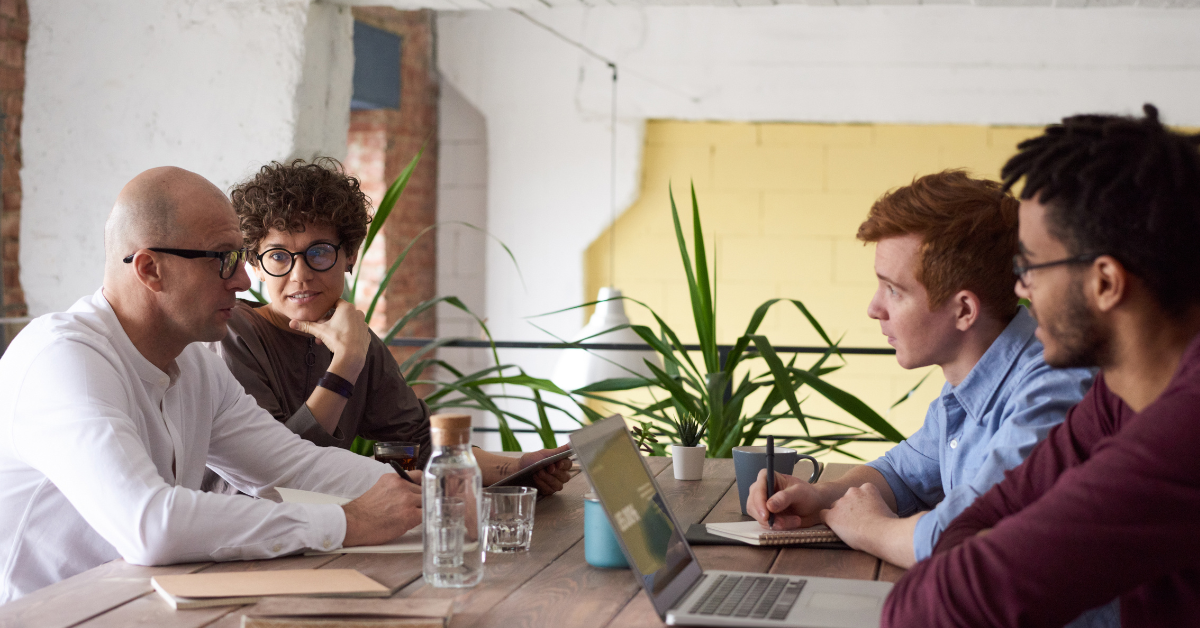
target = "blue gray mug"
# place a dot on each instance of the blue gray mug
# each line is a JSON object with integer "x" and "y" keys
{"x": 749, "y": 460}
{"x": 600, "y": 545}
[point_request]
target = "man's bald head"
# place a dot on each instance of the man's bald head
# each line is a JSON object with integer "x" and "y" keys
{"x": 155, "y": 209}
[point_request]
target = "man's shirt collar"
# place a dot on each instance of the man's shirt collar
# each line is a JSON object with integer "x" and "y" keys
{"x": 985, "y": 378}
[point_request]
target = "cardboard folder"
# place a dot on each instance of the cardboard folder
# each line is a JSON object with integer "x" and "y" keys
{"x": 198, "y": 590}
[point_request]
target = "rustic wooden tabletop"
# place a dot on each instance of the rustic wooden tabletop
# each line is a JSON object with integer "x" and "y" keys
{"x": 551, "y": 585}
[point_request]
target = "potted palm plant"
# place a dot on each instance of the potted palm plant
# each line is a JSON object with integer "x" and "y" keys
{"x": 688, "y": 454}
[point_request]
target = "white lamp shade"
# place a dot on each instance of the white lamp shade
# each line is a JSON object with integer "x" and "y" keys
{"x": 578, "y": 367}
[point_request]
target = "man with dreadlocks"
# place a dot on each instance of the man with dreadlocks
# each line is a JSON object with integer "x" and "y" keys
{"x": 1108, "y": 505}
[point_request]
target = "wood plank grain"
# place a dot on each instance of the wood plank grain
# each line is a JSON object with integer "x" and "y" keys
{"x": 86, "y": 595}
{"x": 890, "y": 573}
{"x": 569, "y": 592}
{"x": 558, "y": 526}
{"x": 152, "y": 610}
{"x": 853, "y": 564}
{"x": 691, "y": 500}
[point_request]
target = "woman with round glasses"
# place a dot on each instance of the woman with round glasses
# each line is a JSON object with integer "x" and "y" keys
{"x": 307, "y": 355}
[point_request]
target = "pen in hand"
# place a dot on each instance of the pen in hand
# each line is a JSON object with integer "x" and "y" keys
{"x": 400, "y": 470}
{"x": 770, "y": 479}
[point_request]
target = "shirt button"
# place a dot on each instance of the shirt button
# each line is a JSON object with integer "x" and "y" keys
{"x": 953, "y": 443}
{"x": 278, "y": 548}
{"x": 327, "y": 543}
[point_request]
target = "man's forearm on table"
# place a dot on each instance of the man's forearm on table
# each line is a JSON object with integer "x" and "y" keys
{"x": 890, "y": 539}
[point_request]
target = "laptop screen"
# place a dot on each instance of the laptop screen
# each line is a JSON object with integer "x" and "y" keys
{"x": 649, "y": 534}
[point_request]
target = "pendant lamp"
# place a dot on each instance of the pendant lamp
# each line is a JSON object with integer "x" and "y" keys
{"x": 579, "y": 367}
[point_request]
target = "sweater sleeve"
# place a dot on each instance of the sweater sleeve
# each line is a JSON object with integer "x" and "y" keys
{"x": 394, "y": 412}
{"x": 1092, "y": 513}
{"x": 246, "y": 356}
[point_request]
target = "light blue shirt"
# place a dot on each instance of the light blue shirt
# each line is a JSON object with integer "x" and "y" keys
{"x": 976, "y": 431}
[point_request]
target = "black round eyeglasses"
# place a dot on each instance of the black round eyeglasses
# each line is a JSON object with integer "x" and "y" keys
{"x": 278, "y": 262}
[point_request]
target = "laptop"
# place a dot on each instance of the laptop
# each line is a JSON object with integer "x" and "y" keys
{"x": 682, "y": 592}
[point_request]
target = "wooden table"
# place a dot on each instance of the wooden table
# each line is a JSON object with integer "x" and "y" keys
{"x": 551, "y": 585}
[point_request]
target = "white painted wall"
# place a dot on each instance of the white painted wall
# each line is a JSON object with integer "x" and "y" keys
{"x": 547, "y": 103}
{"x": 115, "y": 87}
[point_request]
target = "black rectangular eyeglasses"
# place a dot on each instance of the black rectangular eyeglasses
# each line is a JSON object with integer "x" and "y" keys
{"x": 229, "y": 259}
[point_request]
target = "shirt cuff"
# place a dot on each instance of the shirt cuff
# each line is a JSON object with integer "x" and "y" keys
{"x": 925, "y": 536}
{"x": 305, "y": 425}
{"x": 328, "y": 526}
{"x": 905, "y": 503}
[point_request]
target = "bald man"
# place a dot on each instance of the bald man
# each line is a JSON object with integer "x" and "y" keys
{"x": 110, "y": 411}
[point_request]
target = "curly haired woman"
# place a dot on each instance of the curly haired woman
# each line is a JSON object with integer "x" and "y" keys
{"x": 308, "y": 356}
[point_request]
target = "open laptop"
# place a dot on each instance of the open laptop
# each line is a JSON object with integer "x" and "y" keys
{"x": 682, "y": 592}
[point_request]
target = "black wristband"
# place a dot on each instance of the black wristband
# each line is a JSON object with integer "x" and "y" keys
{"x": 336, "y": 383}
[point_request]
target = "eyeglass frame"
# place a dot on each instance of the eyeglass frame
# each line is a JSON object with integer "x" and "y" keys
{"x": 1021, "y": 270}
{"x": 337, "y": 248}
{"x": 196, "y": 254}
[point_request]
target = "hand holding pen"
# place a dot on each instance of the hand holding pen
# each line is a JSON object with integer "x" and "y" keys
{"x": 770, "y": 477}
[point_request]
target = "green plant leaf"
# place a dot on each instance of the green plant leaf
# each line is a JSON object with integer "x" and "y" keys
{"x": 911, "y": 390}
{"x": 851, "y": 404}
{"x": 384, "y": 209}
{"x": 616, "y": 384}
{"x": 783, "y": 383}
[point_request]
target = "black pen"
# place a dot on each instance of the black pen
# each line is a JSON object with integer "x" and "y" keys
{"x": 770, "y": 479}
{"x": 400, "y": 470}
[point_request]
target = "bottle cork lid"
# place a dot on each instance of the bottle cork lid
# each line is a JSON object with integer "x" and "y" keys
{"x": 450, "y": 429}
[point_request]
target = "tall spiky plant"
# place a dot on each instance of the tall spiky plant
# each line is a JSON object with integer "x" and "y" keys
{"x": 712, "y": 388}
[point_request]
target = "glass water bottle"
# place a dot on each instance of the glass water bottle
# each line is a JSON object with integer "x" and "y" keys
{"x": 451, "y": 492}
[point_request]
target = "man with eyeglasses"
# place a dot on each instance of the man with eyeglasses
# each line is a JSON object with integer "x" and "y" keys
{"x": 111, "y": 410}
{"x": 1107, "y": 508}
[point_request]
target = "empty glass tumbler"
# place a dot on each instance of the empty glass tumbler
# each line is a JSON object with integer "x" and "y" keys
{"x": 508, "y": 516}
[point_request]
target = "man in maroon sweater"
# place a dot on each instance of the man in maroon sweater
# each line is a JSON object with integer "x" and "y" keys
{"x": 1108, "y": 506}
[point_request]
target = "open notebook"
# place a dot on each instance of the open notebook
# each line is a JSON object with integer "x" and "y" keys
{"x": 754, "y": 534}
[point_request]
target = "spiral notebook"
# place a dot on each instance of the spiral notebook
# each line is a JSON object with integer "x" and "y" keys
{"x": 752, "y": 533}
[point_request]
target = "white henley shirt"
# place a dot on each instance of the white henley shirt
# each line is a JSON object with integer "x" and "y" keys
{"x": 102, "y": 454}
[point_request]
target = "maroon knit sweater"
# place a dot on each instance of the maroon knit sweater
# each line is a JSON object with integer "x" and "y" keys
{"x": 1107, "y": 506}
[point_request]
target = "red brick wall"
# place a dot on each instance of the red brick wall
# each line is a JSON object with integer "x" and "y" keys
{"x": 381, "y": 144}
{"x": 14, "y": 31}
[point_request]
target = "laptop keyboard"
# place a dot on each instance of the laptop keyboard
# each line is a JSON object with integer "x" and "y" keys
{"x": 756, "y": 597}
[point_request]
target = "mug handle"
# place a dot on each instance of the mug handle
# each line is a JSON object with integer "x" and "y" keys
{"x": 816, "y": 472}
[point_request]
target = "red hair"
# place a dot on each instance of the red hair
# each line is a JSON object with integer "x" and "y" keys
{"x": 968, "y": 230}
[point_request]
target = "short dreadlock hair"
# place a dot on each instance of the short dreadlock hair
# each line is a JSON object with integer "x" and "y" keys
{"x": 1121, "y": 186}
{"x": 287, "y": 197}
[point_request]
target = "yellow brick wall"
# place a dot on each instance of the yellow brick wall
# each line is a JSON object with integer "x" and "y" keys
{"x": 780, "y": 204}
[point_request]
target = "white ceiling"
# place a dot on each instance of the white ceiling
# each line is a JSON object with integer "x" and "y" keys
{"x": 454, "y": 5}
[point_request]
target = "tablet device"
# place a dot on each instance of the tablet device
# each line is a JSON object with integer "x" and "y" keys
{"x": 524, "y": 477}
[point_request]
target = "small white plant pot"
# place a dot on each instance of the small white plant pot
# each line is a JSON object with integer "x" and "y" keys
{"x": 688, "y": 462}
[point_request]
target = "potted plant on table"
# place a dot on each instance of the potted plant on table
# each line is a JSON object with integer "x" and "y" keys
{"x": 687, "y": 456}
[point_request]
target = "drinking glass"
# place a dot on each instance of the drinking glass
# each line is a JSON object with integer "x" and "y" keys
{"x": 403, "y": 453}
{"x": 508, "y": 515}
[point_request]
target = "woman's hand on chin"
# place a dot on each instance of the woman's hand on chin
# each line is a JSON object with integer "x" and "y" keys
{"x": 347, "y": 336}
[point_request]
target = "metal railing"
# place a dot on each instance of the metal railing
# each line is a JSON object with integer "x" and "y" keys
{"x": 617, "y": 346}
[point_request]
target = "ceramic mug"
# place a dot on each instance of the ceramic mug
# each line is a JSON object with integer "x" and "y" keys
{"x": 600, "y": 545}
{"x": 749, "y": 460}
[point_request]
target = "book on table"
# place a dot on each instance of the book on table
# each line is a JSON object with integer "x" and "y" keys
{"x": 199, "y": 590}
{"x": 328, "y": 613}
{"x": 752, "y": 533}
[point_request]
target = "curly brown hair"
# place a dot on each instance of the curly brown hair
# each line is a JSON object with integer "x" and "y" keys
{"x": 287, "y": 197}
{"x": 968, "y": 229}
